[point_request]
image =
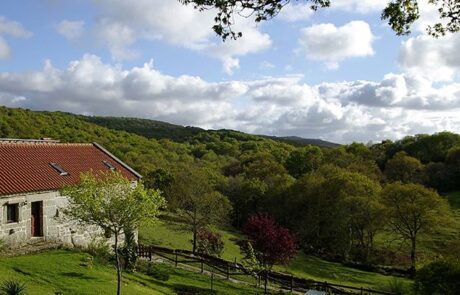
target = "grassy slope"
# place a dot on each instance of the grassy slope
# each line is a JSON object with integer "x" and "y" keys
{"x": 60, "y": 270}
{"x": 171, "y": 234}
{"x": 449, "y": 236}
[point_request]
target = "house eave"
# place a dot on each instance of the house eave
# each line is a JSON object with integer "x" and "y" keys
{"x": 100, "y": 147}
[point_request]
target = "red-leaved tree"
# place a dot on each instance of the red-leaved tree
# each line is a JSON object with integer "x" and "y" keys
{"x": 271, "y": 243}
{"x": 209, "y": 243}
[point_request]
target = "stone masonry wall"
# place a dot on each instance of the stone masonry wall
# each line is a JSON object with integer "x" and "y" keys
{"x": 55, "y": 227}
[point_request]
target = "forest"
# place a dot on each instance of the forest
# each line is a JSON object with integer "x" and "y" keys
{"x": 390, "y": 204}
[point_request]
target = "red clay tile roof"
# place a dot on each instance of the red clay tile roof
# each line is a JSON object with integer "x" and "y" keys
{"x": 25, "y": 167}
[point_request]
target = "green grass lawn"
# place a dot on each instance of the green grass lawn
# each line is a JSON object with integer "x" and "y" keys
{"x": 320, "y": 270}
{"x": 61, "y": 271}
{"x": 170, "y": 234}
{"x": 447, "y": 239}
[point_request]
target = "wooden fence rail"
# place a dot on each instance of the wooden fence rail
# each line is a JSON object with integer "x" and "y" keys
{"x": 230, "y": 269}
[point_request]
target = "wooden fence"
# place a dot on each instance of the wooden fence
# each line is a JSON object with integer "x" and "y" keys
{"x": 237, "y": 271}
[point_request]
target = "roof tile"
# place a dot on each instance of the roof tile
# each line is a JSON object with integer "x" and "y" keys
{"x": 25, "y": 167}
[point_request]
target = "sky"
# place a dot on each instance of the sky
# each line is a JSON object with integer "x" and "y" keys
{"x": 339, "y": 74}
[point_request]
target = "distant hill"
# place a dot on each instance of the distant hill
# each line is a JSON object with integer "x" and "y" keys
{"x": 147, "y": 128}
{"x": 300, "y": 141}
{"x": 160, "y": 130}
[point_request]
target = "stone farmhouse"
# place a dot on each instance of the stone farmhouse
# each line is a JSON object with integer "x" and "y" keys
{"x": 31, "y": 174}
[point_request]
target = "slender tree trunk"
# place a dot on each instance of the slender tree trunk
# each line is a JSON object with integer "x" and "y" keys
{"x": 194, "y": 240}
{"x": 413, "y": 254}
{"x": 118, "y": 266}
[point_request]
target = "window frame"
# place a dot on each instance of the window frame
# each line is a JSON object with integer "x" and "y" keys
{"x": 59, "y": 169}
{"x": 14, "y": 210}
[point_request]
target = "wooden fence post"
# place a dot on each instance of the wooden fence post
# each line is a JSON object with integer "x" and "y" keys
{"x": 292, "y": 283}
{"x": 175, "y": 261}
{"x": 212, "y": 280}
{"x": 150, "y": 253}
{"x": 228, "y": 272}
{"x": 266, "y": 281}
{"x": 202, "y": 265}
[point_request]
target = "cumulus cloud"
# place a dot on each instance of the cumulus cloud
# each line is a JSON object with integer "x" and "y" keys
{"x": 397, "y": 105}
{"x": 13, "y": 29}
{"x": 252, "y": 41}
{"x": 437, "y": 59}
{"x": 71, "y": 30}
{"x": 120, "y": 24}
{"x": 295, "y": 12}
{"x": 332, "y": 44}
{"x": 359, "y": 6}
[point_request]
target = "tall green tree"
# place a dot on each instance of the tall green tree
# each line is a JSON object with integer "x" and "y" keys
{"x": 196, "y": 202}
{"x": 111, "y": 202}
{"x": 158, "y": 179}
{"x": 412, "y": 209}
{"x": 304, "y": 160}
{"x": 404, "y": 168}
{"x": 336, "y": 211}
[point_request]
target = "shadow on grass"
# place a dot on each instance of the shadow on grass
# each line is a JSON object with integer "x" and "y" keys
{"x": 191, "y": 290}
{"x": 77, "y": 275}
{"x": 145, "y": 281}
{"x": 18, "y": 270}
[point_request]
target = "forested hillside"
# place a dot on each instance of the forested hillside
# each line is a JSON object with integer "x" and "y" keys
{"x": 163, "y": 130}
{"x": 147, "y": 128}
{"x": 340, "y": 202}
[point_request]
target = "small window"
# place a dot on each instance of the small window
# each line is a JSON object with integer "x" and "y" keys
{"x": 59, "y": 169}
{"x": 12, "y": 213}
{"x": 109, "y": 165}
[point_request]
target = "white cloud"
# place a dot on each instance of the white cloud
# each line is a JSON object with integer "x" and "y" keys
{"x": 122, "y": 23}
{"x": 359, "y": 6}
{"x": 429, "y": 15}
{"x": 406, "y": 91}
{"x": 13, "y": 29}
{"x": 71, "y": 30}
{"x": 400, "y": 104}
{"x": 295, "y": 12}
{"x": 331, "y": 44}
{"x": 252, "y": 41}
{"x": 436, "y": 59}
{"x": 4, "y": 49}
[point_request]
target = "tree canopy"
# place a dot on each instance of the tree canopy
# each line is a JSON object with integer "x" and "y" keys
{"x": 413, "y": 209}
{"x": 196, "y": 202}
{"x": 400, "y": 14}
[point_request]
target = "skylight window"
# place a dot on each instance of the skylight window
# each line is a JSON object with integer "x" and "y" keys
{"x": 59, "y": 169}
{"x": 109, "y": 165}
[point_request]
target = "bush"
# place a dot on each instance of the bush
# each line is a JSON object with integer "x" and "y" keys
{"x": 12, "y": 287}
{"x": 397, "y": 287}
{"x": 99, "y": 248}
{"x": 438, "y": 278}
{"x": 209, "y": 243}
{"x": 129, "y": 251}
